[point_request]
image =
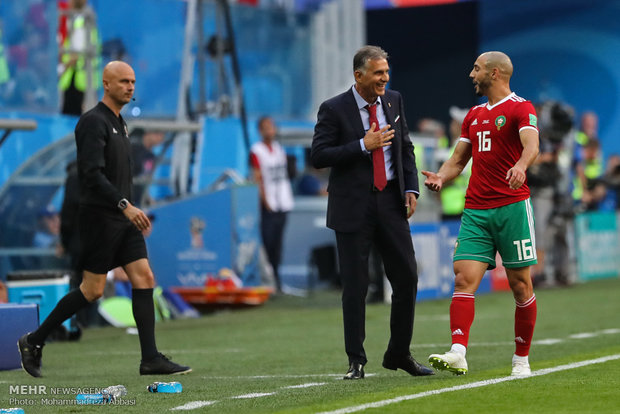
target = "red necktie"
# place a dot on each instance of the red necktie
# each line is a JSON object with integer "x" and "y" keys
{"x": 378, "y": 162}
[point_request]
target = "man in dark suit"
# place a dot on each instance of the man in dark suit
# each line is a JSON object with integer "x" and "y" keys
{"x": 373, "y": 188}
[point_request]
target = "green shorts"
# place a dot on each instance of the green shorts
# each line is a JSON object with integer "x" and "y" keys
{"x": 508, "y": 230}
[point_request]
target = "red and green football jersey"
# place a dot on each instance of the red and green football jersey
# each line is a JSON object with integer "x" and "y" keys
{"x": 493, "y": 132}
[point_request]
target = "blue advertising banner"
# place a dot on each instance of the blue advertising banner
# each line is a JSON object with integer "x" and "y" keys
{"x": 204, "y": 236}
{"x": 597, "y": 245}
{"x": 434, "y": 248}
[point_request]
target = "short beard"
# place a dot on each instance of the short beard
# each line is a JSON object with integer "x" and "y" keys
{"x": 482, "y": 87}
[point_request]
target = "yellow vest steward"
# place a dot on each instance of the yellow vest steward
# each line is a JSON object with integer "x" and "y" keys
{"x": 80, "y": 65}
{"x": 4, "y": 67}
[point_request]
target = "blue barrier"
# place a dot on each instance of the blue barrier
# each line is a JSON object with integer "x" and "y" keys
{"x": 434, "y": 248}
{"x": 15, "y": 320}
{"x": 597, "y": 245}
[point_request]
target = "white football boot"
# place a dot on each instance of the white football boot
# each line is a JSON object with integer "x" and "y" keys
{"x": 520, "y": 367}
{"x": 454, "y": 362}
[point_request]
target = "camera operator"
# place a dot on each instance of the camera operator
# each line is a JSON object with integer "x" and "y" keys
{"x": 549, "y": 180}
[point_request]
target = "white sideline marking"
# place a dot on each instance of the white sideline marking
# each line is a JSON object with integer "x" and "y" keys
{"x": 254, "y": 395}
{"x": 583, "y": 335}
{"x": 432, "y": 318}
{"x": 193, "y": 405}
{"x": 270, "y": 376}
{"x": 310, "y": 384}
{"x": 383, "y": 403}
{"x": 171, "y": 351}
{"x": 282, "y": 376}
{"x": 198, "y": 404}
{"x": 549, "y": 341}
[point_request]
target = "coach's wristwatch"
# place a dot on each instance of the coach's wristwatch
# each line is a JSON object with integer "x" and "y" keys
{"x": 123, "y": 204}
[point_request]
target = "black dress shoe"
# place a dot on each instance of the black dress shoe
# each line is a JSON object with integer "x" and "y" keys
{"x": 356, "y": 371}
{"x": 408, "y": 364}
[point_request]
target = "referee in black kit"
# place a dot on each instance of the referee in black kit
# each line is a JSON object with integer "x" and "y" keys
{"x": 110, "y": 226}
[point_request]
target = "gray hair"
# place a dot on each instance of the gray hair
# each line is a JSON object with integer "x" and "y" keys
{"x": 366, "y": 53}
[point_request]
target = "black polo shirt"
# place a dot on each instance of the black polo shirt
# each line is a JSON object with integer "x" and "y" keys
{"x": 104, "y": 158}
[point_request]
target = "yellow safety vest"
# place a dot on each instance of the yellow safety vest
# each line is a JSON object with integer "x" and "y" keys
{"x": 581, "y": 138}
{"x": 593, "y": 169}
{"x": 80, "y": 65}
{"x": 4, "y": 66}
{"x": 452, "y": 195}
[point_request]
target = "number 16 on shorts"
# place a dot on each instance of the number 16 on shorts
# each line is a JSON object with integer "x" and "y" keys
{"x": 525, "y": 250}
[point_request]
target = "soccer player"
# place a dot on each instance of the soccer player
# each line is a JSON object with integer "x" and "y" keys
{"x": 501, "y": 138}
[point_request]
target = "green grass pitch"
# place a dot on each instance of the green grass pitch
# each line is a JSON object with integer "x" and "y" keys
{"x": 287, "y": 357}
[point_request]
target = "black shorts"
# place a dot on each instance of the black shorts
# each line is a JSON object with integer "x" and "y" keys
{"x": 108, "y": 240}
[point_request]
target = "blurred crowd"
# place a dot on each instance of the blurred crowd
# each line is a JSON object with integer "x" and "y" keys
{"x": 25, "y": 57}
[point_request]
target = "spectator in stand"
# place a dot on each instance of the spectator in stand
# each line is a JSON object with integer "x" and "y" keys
{"x": 48, "y": 236}
{"x": 142, "y": 144}
{"x": 542, "y": 178}
{"x": 452, "y": 194}
{"x": 79, "y": 51}
{"x": 313, "y": 181}
{"x": 612, "y": 178}
{"x": 589, "y": 128}
{"x": 592, "y": 191}
{"x": 549, "y": 179}
{"x": 587, "y": 132}
{"x": 269, "y": 166}
{"x": 48, "y": 233}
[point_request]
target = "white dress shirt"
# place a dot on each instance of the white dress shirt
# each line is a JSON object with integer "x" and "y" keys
{"x": 365, "y": 115}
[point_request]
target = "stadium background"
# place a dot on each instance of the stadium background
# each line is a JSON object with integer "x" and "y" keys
{"x": 286, "y": 356}
{"x": 289, "y": 62}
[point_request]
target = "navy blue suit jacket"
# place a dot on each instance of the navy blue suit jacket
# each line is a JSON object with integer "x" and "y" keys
{"x": 336, "y": 144}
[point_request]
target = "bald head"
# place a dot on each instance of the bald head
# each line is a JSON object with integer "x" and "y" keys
{"x": 498, "y": 60}
{"x": 114, "y": 69}
{"x": 118, "y": 84}
{"x": 491, "y": 76}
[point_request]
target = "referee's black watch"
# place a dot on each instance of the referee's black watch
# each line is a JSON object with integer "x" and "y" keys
{"x": 123, "y": 204}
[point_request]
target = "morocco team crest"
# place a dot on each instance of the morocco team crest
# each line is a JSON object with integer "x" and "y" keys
{"x": 500, "y": 121}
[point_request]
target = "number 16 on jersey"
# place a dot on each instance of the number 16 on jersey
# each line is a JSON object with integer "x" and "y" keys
{"x": 484, "y": 141}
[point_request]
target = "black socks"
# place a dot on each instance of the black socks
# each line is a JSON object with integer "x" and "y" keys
{"x": 66, "y": 307}
{"x": 144, "y": 314}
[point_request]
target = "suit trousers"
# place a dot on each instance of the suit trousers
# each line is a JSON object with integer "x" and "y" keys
{"x": 385, "y": 225}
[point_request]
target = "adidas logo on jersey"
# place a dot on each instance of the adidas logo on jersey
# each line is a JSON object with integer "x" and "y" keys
{"x": 475, "y": 122}
{"x": 457, "y": 332}
{"x": 519, "y": 340}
